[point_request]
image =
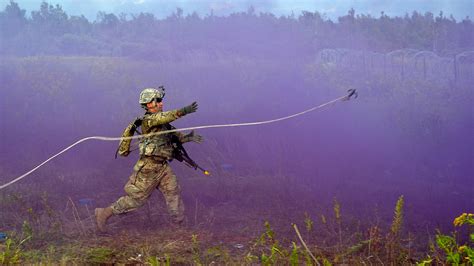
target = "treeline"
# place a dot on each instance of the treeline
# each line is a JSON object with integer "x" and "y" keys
{"x": 51, "y": 31}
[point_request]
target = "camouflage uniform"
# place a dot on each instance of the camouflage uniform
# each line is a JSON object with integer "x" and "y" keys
{"x": 152, "y": 170}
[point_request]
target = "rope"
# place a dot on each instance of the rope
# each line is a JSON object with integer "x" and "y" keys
{"x": 345, "y": 97}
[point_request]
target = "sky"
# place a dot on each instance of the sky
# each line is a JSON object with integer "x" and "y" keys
{"x": 332, "y": 8}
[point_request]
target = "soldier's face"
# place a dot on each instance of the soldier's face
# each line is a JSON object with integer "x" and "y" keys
{"x": 154, "y": 106}
{"x": 159, "y": 106}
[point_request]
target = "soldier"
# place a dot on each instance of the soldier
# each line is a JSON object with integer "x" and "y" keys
{"x": 152, "y": 170}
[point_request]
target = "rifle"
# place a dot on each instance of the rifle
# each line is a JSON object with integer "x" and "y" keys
{"x": 180, "y": 154}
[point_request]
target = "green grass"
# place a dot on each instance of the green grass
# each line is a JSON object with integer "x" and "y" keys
{"x": 46, "y": 236}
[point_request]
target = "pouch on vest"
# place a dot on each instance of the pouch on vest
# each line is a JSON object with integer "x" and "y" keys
{"x": 156, "y": 146}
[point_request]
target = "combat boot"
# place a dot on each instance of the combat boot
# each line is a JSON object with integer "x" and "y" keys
{"x": 101, "y": 216}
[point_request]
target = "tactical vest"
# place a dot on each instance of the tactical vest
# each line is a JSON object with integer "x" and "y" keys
{"x": 157, "y": 145}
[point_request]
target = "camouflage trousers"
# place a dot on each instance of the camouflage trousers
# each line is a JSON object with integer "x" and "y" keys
{"x": 150, "y": 174}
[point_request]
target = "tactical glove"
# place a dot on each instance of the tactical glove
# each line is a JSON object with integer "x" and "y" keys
{"x": 189, "y": 109}
{"x": 194, "y": 137}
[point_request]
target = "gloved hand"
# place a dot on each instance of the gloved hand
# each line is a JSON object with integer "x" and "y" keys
{"x": 194, "y": 137}
{"x": 189, "y": 109}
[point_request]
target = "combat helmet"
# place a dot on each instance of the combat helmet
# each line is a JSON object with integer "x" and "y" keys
{"x": 149, "y": 94}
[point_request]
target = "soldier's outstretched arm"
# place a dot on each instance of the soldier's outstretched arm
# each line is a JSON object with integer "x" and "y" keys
{"x": 169, "y": 116}
{"x": 161, "y": 118}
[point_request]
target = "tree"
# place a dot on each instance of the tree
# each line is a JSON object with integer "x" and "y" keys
{"x": 79, "y": 25}
{"x": 107, "y": 23}
{"x": 12, "y": 20}
{"x": 50, "y": 19}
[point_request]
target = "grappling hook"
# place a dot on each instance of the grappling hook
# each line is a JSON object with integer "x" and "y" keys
{"x": 351, "y": 93}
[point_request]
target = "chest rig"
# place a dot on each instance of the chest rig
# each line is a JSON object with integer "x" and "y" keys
{"x": 157, "y": 145}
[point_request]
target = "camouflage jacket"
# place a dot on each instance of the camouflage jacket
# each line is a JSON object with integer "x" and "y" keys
{"x": 157, "y": 145}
